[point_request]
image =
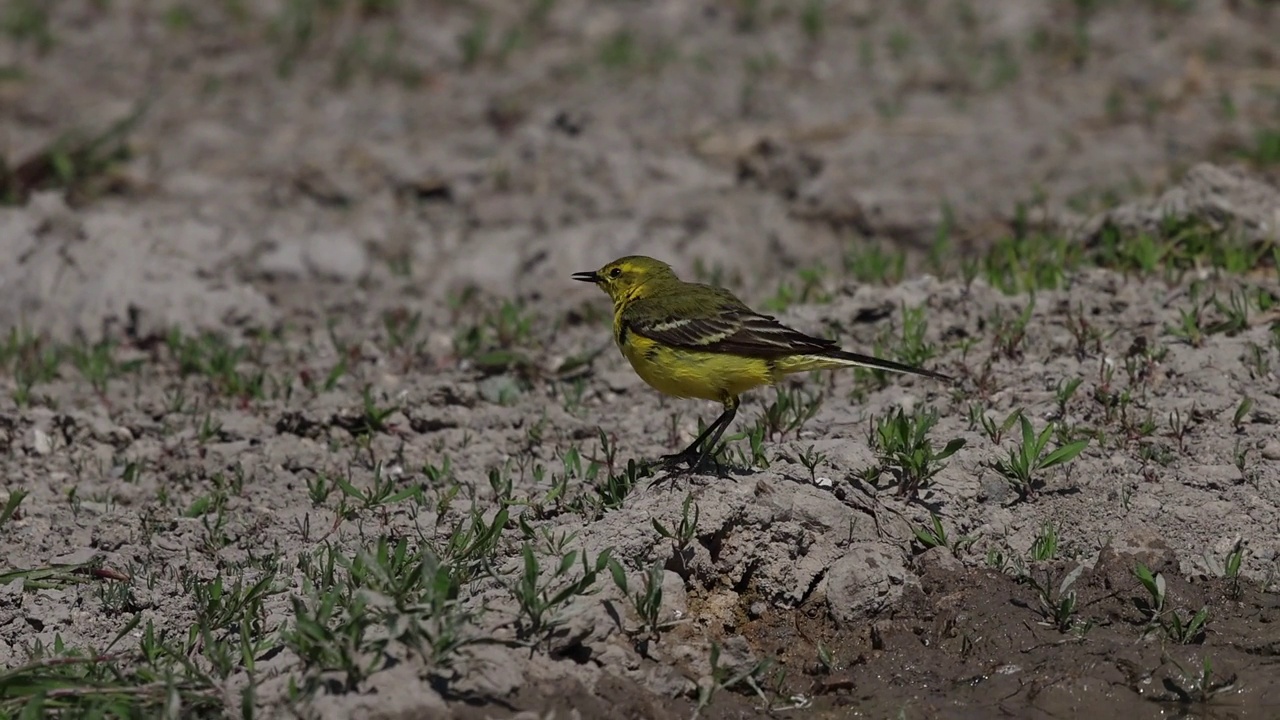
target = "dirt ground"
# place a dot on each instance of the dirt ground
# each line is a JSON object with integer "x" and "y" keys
{"x": 303, "y": 416}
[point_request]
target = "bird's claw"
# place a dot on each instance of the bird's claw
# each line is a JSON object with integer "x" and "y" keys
{"x": 687, "y": 459}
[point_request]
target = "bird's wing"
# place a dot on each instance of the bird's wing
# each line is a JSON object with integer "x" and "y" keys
{"x": 718, "y": 322}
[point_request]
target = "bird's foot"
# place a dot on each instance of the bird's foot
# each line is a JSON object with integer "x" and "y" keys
{"x": 689, "y": 461}
{"x": 688, "y": 458}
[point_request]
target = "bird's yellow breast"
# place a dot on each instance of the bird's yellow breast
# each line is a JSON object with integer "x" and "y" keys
{"x": 692, "y": 373}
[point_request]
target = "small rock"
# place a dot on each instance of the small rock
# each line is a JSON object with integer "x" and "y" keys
{"x": 41, "y": 443}
{"x": 500, "y": 389}
{"x": 614, "y": 655}
{"x": 667, "y": 681}
{"x": 56, "y": 612}
{"x": 619, "y": 381}
{"x": 103, "y": 430}
{"x": 76, "y": 557}
{"x": 284, "y": 261}
{"x": 439, "y": 344}
{"x": 490, "y": 670}
{"x": 938, "y": 561}
{"x": 736, "y": 653}
{"x": 675, "y": 598}
{"x": 870, "y": 577}
{"x": 337, "y": 256}
{"x": 993, "y": 489}
{"x": 397, "y": 693}
{"x": 1117, "y": 560}
{"x": 1271, "y": 451}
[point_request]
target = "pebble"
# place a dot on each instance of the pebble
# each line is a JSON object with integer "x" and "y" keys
{"x": 1271, "y": 451}
{"x": 76, "y": 557}
{"x": 337, "y": 255}
{"x": 500, "y": 389}
{"x": 41, "y": 442}
{"x": 284, "y": 261}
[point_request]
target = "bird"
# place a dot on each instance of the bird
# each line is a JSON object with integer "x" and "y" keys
{"x": 692, "y": 340}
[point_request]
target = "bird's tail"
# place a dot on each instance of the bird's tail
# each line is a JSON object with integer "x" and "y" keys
{"x": 843, "y": 358}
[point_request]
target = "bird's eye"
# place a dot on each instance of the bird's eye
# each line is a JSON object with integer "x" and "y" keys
{"x": 616, "y": 272}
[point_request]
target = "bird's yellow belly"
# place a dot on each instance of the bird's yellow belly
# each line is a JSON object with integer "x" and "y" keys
{"x": 693, "y": 374}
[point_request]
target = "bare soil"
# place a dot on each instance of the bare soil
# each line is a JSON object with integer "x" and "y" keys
{"x": 382, "y": 212}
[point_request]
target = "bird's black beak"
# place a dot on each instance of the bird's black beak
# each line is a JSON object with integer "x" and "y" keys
{"x": 591, "y": 277}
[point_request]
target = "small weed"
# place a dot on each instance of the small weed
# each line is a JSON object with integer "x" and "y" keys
{"x": 383, "y": 491}
{"x": 27, "y": 21}
{"x": 993, "y": 430}
{"x": 1266, "y": 147}
{"x": 912, "y": 348}
{"x": 1203, "y": 685}
{"x": 723, "y": 678}
{"x": 1088, "y": 338}
{"x": 813, "y": 20}
{"x": 1057, "y": 605}
{"x": 615, "y": 487}
{"x": 31, "y": 360}
{"x": 98, "y": 365}
{"x": 748, "y": 15}
{"x": 491, "y": 343}
{"x": 755, "y": 455}
{"x": 935, "y": 535}
{"x": 1065, "y": 391}
{"x": 540, "y": 601}
{"x": 473, "y": 41}
{"x": 809, "y": 290}
{"x": 1189, "y": 327}
{"x": 793, "y": 406}
{"x": 826, "y": 659}
{"x": 902, "y": 444}
{"x": 1178, "y": 429}
{"x": 1240, "y": 455}
{"x": 403, "y": 329}
{"x": 1011, "y": 332}
{"x": 620, "y": 50}
{"x": 215, "y": 358}
{"x": 1258, "y": 361}
{"x": 374, "y": 417}
{"x": 210, "y": 429}
{"x": 10, "y": 509}
{"x": 1022, "y": 466}
{"x": 1170, "y": 621}
{"x": 318, "y": 489}
{"x": 1231, "y": 568}
{"x": 871, "y": 263}
{"x": 1234, "y": 312}
{"x": 1045, "y": 545}
{"x": 685, "y": 531}
{"x": 1188, "y": 631}
{"x": 646, "y": 601}
{"x": 1241, "y": 414}
{"x": 1025, "y": 263}
{"x": 810, "y": 460}
{"x": 58, "y": 681}
{"x": 1004, "y": 561}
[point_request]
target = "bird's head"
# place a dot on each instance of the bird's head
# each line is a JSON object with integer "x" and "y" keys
{"x": 628, "y": 278}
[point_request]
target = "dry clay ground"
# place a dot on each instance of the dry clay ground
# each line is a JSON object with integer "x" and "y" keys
{"x": 329, "y": 520}
{"x": 302, "y": 415}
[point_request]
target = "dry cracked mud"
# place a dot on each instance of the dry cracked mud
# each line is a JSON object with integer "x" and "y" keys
{"x": 303, "y": 416}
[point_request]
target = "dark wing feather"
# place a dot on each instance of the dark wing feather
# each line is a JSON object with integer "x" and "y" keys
{"x": 722, "y": 324}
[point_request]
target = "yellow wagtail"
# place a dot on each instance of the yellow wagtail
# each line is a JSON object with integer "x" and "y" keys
{"x": 699, "y": 341}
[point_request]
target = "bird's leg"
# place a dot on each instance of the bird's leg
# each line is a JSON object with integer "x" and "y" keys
{"x": 688, "y": 455}
{"x": 704, "y": 445}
